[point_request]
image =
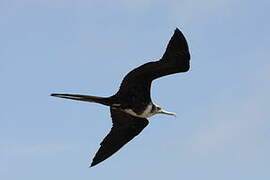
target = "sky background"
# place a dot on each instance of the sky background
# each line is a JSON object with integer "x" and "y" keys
{"x": 222, "y": 128}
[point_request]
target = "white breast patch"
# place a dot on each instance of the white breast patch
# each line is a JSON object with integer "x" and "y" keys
{"x": 147, "y": 112}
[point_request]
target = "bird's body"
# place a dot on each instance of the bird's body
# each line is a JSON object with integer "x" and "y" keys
{"x": 132, "y": 104}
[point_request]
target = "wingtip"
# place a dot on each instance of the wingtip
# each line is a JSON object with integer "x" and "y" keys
{"x": 93, "y": 164}
{"x": 177, "y": 31}
{"x": 54, "y": 94}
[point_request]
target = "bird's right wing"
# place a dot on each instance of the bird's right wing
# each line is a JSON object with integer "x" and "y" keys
{"x": 125, "y": 128}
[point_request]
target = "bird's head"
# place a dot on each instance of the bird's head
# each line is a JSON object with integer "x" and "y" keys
{"x": 159, "y": 110}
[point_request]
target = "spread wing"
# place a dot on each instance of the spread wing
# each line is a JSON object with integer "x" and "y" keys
{"x": 175, "y": 60}
{"x": 125, "y": 127}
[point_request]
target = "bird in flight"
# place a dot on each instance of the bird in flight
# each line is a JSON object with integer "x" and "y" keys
{"x": 132, "y": 105}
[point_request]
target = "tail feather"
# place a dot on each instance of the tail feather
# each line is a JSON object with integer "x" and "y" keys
{"x": 79, "y": 97}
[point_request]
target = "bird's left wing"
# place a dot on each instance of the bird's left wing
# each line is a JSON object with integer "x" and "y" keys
{"x": 125, "y": 127}
{"x": 175, "y": 60}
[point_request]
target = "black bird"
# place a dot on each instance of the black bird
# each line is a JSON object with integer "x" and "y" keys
{"x": 132, "y": 104}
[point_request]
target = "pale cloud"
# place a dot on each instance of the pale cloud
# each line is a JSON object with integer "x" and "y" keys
{"x": 238, "y": 123}
{"x": 13, "y": 150}
{"x": 198, "y": 10}
{"x": 11, "y": 153}
{"x": 138, "y": 4}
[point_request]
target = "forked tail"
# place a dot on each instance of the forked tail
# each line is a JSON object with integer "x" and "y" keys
{"x": 96, "y": 99}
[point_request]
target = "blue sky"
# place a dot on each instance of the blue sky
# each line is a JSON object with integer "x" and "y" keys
{"x": 222, "y": 128}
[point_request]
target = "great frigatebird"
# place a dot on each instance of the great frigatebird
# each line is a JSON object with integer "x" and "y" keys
{"x": 132, "y": 104}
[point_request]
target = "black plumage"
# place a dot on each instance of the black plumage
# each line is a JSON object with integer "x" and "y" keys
{"x": 125, "y": 127}
{"x": 132, "y": 104}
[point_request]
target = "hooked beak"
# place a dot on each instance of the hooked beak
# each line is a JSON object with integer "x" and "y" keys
{"x": 162, "y": 111}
